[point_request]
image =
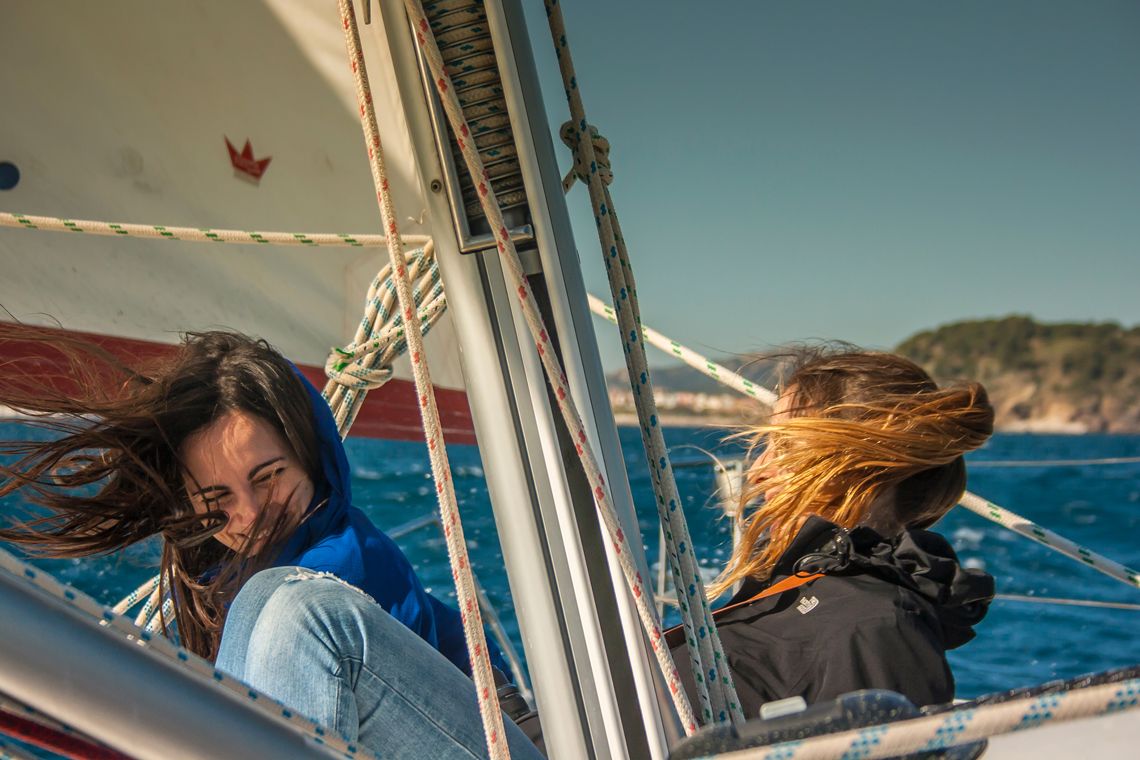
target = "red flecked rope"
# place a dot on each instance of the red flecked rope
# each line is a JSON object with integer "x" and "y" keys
{"x": 489, "y": 710}
{"x": 550, "y": 362}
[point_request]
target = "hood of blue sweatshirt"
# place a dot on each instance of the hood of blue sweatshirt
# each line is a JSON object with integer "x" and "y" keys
{"x": 338, "y": 538}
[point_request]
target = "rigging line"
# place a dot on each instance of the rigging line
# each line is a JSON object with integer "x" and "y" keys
{"x": 490, "y": 713}
{"x": 721, "y": 374}
{"x": 1046, "y": 537}
{"x": 1068, "y": 602}
{"x": 716, "y": 693}
{"x": 718, "y": 467}
{"x": 199, "y": 234}
{"x": 1053, "y": 462}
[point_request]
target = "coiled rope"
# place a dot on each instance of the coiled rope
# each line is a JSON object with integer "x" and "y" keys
{"x": 976, "y": 504}
{"x": 954, "y": 728}
{"x": 715, "y": 688}
{"x": 490, "y": 713}
{"x": 366, "y": 363}
{"x": 555, "y": 376}
{"x": 198, "y": 234}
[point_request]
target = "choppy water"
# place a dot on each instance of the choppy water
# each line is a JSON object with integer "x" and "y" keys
{"x": 1018, "y": 644}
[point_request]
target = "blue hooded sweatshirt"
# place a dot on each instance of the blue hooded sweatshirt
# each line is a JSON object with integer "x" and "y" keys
{"x": 338, "y": 538}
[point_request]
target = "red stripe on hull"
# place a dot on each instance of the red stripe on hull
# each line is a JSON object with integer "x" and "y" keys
{"x": 391, "y": 412}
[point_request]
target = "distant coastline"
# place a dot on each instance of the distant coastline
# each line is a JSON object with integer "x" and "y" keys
{"x": 629, "y": 419}
{"x": 727, "y": 422}
{"x": 1050, "y": 378}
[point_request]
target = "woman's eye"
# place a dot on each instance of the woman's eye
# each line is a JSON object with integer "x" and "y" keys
{"x": 267, "y": 479}
{"x": 214, "y": 502}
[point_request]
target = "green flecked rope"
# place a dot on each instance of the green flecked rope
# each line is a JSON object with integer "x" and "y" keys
{"x": 1058, "y": 543}
{"x": 196, "y": 234}
{"x": 716, "y": 691}
{"x": 366, "y": 363}
{"x": 721, "y": 374}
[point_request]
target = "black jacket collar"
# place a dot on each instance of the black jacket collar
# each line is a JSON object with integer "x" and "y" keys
{"x": 917, "y": 560}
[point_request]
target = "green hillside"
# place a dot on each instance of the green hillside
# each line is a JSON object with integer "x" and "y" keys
{"x": 1063, "y": 376}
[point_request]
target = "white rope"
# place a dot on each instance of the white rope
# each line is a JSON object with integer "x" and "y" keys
{"x": 721, "y": 374}
{"x": 133, "y": 598}
{"x": 490, "y": 713}
{"x": 953, "y": 728}
{"x": 1046, "y": 537}
{"x": 150, "y": 610}
{"x": 1068, "y": 602}
{"x": 197, "y": 234}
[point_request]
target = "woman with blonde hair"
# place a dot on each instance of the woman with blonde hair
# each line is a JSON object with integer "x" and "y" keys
{"x": 841, "y": 585}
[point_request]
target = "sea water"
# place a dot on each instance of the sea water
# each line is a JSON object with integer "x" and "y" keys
{"x": 1018, "y": 644}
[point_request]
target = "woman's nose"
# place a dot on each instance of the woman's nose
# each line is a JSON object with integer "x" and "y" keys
{"x": 243, "y": 510}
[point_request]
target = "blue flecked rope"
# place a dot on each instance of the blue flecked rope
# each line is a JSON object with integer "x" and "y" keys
{"x": 955, "y": 728}
{"x": 716, "y": 691}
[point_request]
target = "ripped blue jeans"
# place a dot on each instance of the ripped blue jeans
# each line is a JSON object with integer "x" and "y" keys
{"x": 328, "y": 651}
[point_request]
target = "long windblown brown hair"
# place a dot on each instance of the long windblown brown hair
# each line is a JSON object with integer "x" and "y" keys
{"x": 111, "y": 472}
{"x": 865, "y": 438}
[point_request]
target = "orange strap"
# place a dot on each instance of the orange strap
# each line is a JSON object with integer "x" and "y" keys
{"x": 789, "y": 583}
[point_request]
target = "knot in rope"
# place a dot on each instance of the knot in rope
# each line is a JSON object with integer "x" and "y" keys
{"x": 341, "y": 369}
{"x": 571, "y": 136}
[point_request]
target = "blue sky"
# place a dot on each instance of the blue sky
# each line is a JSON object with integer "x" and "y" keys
{"x": 860, "y": 171}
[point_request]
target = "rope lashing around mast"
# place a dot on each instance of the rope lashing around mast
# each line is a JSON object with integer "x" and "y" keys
{"x": 490, "y": 713}
{"x": 954, "y": 728}
{"x": 45, "y": 583}
{"x": 976, "y": 504}
{"x": 715, "y": 688}
{"x": 550, "y": 362}
{"x": 199, "y": 234}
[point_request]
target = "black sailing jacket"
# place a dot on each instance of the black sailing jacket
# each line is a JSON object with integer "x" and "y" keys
{"x": 882, "y": 617}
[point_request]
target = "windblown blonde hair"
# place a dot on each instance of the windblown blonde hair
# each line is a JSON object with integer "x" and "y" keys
{"x": 868, "y": 438}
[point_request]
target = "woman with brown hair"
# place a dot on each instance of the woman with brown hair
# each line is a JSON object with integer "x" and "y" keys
{"x": 841, "y": 587}
{"x": 225, "y": 451}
